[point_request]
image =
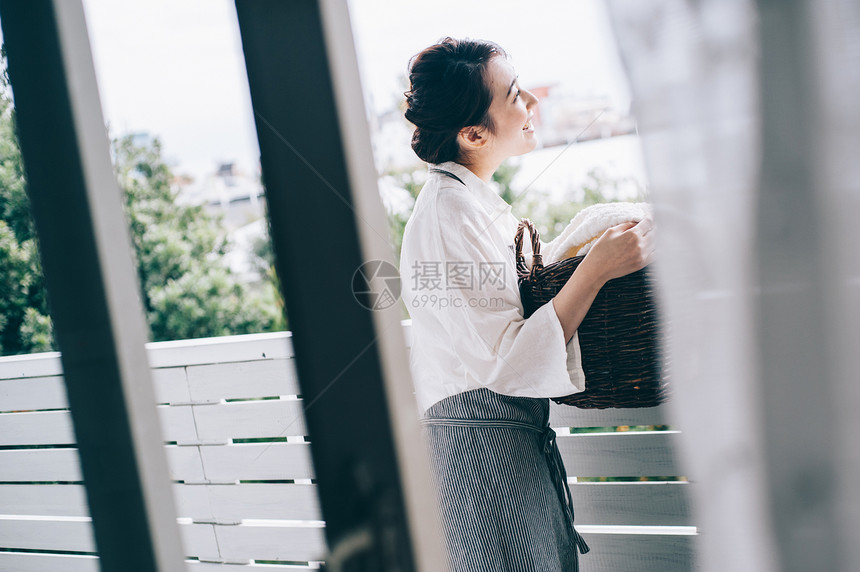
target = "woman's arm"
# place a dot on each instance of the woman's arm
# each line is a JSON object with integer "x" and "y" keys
{"x": 622, "y": 249}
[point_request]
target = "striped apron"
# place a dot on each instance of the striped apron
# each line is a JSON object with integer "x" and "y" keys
{"x": 503, "y": 497}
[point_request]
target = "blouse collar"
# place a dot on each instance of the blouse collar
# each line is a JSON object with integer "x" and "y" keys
{"x": 486, "y": 195}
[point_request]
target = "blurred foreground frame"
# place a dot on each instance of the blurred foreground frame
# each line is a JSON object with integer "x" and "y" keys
{"x": 316, "y": 160}
{"x": 751, "y": 130}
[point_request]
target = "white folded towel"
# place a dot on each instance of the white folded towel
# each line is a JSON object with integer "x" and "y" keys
{"x": 589, "y": 224}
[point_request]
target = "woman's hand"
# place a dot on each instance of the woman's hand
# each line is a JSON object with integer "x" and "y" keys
{"x": 622, "y": 249}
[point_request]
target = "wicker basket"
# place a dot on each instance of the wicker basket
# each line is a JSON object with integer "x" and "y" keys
{"x": 619, "y": 336}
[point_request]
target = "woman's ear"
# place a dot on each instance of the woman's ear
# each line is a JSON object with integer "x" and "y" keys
{"x": 472, "y": 138}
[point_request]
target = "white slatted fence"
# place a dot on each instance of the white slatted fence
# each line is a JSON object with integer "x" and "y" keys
{"x": 243, "y": 478}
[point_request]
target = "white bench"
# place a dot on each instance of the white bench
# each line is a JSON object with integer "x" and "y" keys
{"x": 242, "y": 470}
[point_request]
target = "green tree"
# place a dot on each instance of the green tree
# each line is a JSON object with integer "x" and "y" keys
{"x": 24, "y": 323}
{"x": 411, "y": 181}
{"x": 187, "y": 290}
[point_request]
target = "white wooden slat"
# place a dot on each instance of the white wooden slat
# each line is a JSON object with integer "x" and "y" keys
{"x": 270, "y": 501}
{"x": 198, "y": 502}
{"x": 31, "y": 365}
{"x": 43, "y": 465}
{"x": 629, "y": 454}
{"x": 185, "y": 463}
{"x": 249, "y": 347}
{"x": 637, "y": 504}
{"x": 271, "y": 543}
{"x": 177, "y": 423}
{"x": 33, "y": 393}
{"x": 192, "y": 501}
{"x": 37, "y": 428}
{"x": 170, "y": 385}
{"x": 55, "y": 500}
{"x": 193, "y": 566}
{"x": 34, "y": 562}
{"x": 638, "y": 553}
{"x": 250, "y": 419}
{"x": 199, "y": 540}
{"x": 237, "y": 380}
{"x": 17, "y": 465}
{"x": 567, "y": 416}
{"x": 76, "y": 535}
{"x": 232, "y": 503}
{"x": 55, "y": 427}
{"x": 257, "y": 461}
{"x": 210, "y": 382}
{"x": 59, "y": 535}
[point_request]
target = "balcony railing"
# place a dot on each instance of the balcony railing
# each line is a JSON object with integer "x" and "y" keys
{"x": 242, "y": 477}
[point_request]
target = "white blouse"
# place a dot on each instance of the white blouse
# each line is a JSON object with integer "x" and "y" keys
{"x": 459, "y": 283}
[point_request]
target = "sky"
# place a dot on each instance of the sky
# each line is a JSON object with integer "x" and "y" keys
{"x": 175, "y": 69}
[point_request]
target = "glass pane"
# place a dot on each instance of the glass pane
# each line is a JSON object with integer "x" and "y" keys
{"x": 175, "y": 98}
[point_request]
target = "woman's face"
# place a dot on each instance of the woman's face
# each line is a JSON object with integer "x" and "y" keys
{"x": 511, "y": 111}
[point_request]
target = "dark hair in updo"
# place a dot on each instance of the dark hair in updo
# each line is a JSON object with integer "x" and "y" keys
{"x": 448, "y": 91}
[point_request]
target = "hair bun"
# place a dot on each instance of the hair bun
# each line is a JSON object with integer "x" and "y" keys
{"x": 448, "y": 91}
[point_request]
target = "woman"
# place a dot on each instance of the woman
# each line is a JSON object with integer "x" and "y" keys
{"x": 483, "y": 374}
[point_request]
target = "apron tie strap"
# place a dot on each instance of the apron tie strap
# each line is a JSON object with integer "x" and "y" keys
{"x": 559, "y": 475}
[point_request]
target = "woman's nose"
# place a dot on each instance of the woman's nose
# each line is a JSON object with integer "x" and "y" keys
{"x": 531, "y": 100}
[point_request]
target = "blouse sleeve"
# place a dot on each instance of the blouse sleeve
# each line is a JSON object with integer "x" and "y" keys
{"x": 483, "y": 314}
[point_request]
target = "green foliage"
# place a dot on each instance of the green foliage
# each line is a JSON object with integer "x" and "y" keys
{"x": 169, "y": 240}
{"x": 38, "y": 330}
{"x": 411, "y": 181}
{"x": 24, "y": 323}
{"x": 551, "y": 217}
{"x": 504, "y": 177}
{"x": 264, "y": 264}
{"x": 187, "y": 290}
{"x": 206, "y": 302}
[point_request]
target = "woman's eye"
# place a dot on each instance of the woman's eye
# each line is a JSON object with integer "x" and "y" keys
{"x": 517, "y": 96}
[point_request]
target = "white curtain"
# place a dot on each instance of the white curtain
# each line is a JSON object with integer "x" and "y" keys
{"x": 750, "y": 122}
